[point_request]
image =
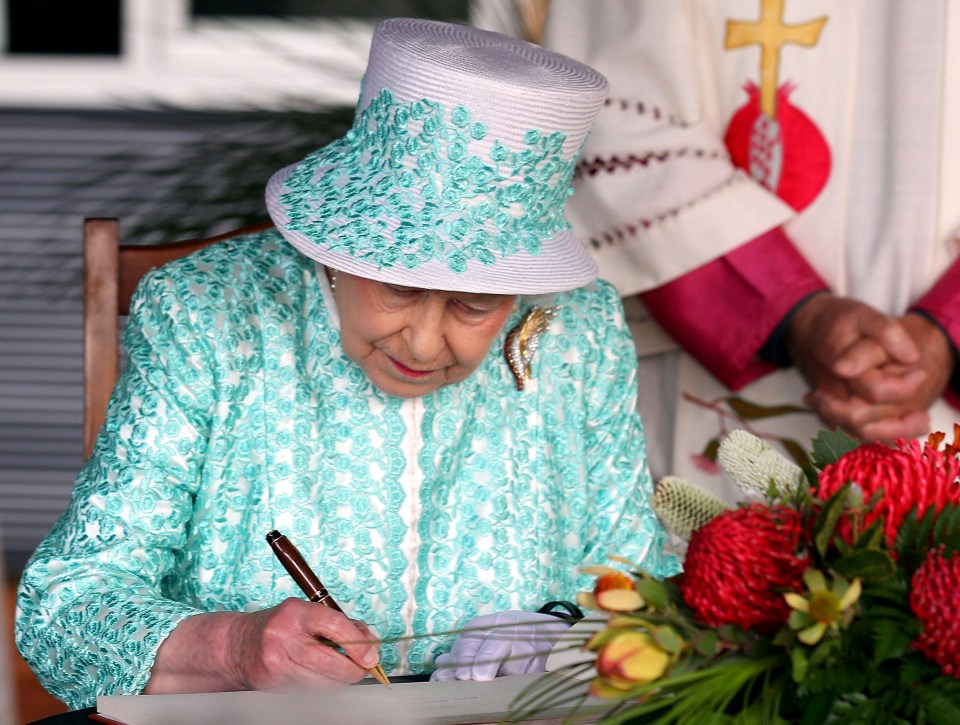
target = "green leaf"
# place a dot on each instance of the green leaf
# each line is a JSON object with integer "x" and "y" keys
{"x": 710, "y": 450}
{"x": 946, "y": 530}
{"x": 731, "y": 633}
{"x": 827, "y": 519}
{"x": 825, "y": 651}
{"x": 893, "y": 592}
{"x": 915, "y": 670}
{"x": 867, "y": 564}
{"x": 816, "y": 710}
{"x": 875, "y": 499}
{"x": 799, "y": 664}
{"x": 797, "y": 452}
{"x": 706, "y": 642}
{"x": 653, "y": 592}
{"x": 890, "y": 641}
{"x": 668, "y": 639}
{"x": 830, "y": 445}
{"x": 799, "y": 620}
{"x": 916, "y": 535}
{"x": 752, "y": 411}
{"x": 941, "y": 700}
{"x": 872, "y": 538}
{"x": 843, "y": 548}
{"x": 894, "y": 614}
{"x": 908, "y": 540}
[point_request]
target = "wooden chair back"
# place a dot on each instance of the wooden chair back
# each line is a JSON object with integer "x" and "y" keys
{"x": 111, "y": 272}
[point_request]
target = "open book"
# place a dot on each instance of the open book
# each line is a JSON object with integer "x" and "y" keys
{"x": 416, "y": 703}
{"x": 559, "y": 694}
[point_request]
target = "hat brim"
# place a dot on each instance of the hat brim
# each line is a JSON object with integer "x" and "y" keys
{"x": 562, "y": 262}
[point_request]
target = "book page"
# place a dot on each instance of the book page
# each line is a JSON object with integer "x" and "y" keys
{"x": 416, "y": 703}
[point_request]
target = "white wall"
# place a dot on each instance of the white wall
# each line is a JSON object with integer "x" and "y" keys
{"x": 171, "y": 60}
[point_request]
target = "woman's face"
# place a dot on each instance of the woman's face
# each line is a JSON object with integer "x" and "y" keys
{"x": 411, "y": 341}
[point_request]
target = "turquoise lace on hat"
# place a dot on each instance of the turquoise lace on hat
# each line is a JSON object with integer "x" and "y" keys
{"x": 456, "y": 170}
{"x": 410, "y": 186}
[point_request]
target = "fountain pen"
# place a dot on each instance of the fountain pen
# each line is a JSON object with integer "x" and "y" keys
{"x": 303, "y": 575}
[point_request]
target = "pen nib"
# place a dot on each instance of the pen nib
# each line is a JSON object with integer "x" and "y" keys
{"x": 379, "y": 675}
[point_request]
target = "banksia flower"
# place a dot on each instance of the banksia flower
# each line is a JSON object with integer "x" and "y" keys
{"x": 754, "y": 465}
{"x": 935, "y": 601}
{"x": 911, "y": 475}
{"x": 683, "y": 508}
{"x": 739, "y": 565}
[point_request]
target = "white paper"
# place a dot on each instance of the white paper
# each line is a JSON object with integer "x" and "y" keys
{"x": 568, "y": 657}
{"x": 417, "y": 703}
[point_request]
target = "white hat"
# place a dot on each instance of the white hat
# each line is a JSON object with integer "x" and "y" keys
{"x": 457, "y": 168}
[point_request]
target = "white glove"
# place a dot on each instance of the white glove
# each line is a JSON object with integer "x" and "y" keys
{"x": 505, "y": 643}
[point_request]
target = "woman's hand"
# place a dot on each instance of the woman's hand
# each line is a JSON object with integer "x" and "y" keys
{"x": 505, "y": 643}
{"x": 280, "y": 648}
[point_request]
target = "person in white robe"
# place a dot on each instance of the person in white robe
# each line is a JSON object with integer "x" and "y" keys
{"x": 774, "y": 187}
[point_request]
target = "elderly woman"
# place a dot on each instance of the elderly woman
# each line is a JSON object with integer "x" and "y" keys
{"x": 414, "y": 376}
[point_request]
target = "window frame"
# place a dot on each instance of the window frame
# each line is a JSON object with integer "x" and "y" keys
{"x": 170, "y": 59}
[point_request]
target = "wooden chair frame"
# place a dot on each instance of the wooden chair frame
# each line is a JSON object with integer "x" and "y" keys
{"x": 111, "y": 272}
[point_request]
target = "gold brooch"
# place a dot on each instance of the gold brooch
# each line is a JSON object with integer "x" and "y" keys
{"x": 524, "y": 339}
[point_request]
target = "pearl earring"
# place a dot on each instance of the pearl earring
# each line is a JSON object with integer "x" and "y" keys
{"x": 332, "y": 276}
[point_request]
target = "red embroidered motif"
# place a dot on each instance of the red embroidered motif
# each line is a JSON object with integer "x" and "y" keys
{"x": 775, "y": 142}
{"x": 804, "y": 162}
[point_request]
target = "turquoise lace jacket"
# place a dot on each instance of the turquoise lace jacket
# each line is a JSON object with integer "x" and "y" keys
{"x": 237, "y": 413}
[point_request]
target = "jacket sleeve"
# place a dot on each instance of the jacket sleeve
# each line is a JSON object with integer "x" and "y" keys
{"x": 942, "y": 305}
{"x": 91, "y": 606}
{"x": 620, "y": 486}
{"x": 726, "y": 311}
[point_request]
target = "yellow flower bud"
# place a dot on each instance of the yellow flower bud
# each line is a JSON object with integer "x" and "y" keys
{"x": 631, "y": 658}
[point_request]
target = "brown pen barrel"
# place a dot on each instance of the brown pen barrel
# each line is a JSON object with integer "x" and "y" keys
{"x": 297, "y": 567}
{"x": 303, "y": 575}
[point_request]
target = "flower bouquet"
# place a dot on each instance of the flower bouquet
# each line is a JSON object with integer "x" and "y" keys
{"x": 834, "y": 597}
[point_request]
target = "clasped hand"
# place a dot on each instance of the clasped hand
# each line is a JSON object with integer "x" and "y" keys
{"x": 872, "y": 374}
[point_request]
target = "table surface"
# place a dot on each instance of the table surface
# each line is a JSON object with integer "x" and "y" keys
{"x": 82, "y": 717}
{"x": 74, "y": 717}
{"x": 78, "y": 717}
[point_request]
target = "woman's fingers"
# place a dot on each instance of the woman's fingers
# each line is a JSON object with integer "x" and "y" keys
{"x": 289, "y": 644}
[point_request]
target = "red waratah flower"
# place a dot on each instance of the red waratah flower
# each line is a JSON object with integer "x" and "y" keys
{"x": 911, "y": 475}
{"x": 935, "y": 601}
{"x": 740, "y": 563}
